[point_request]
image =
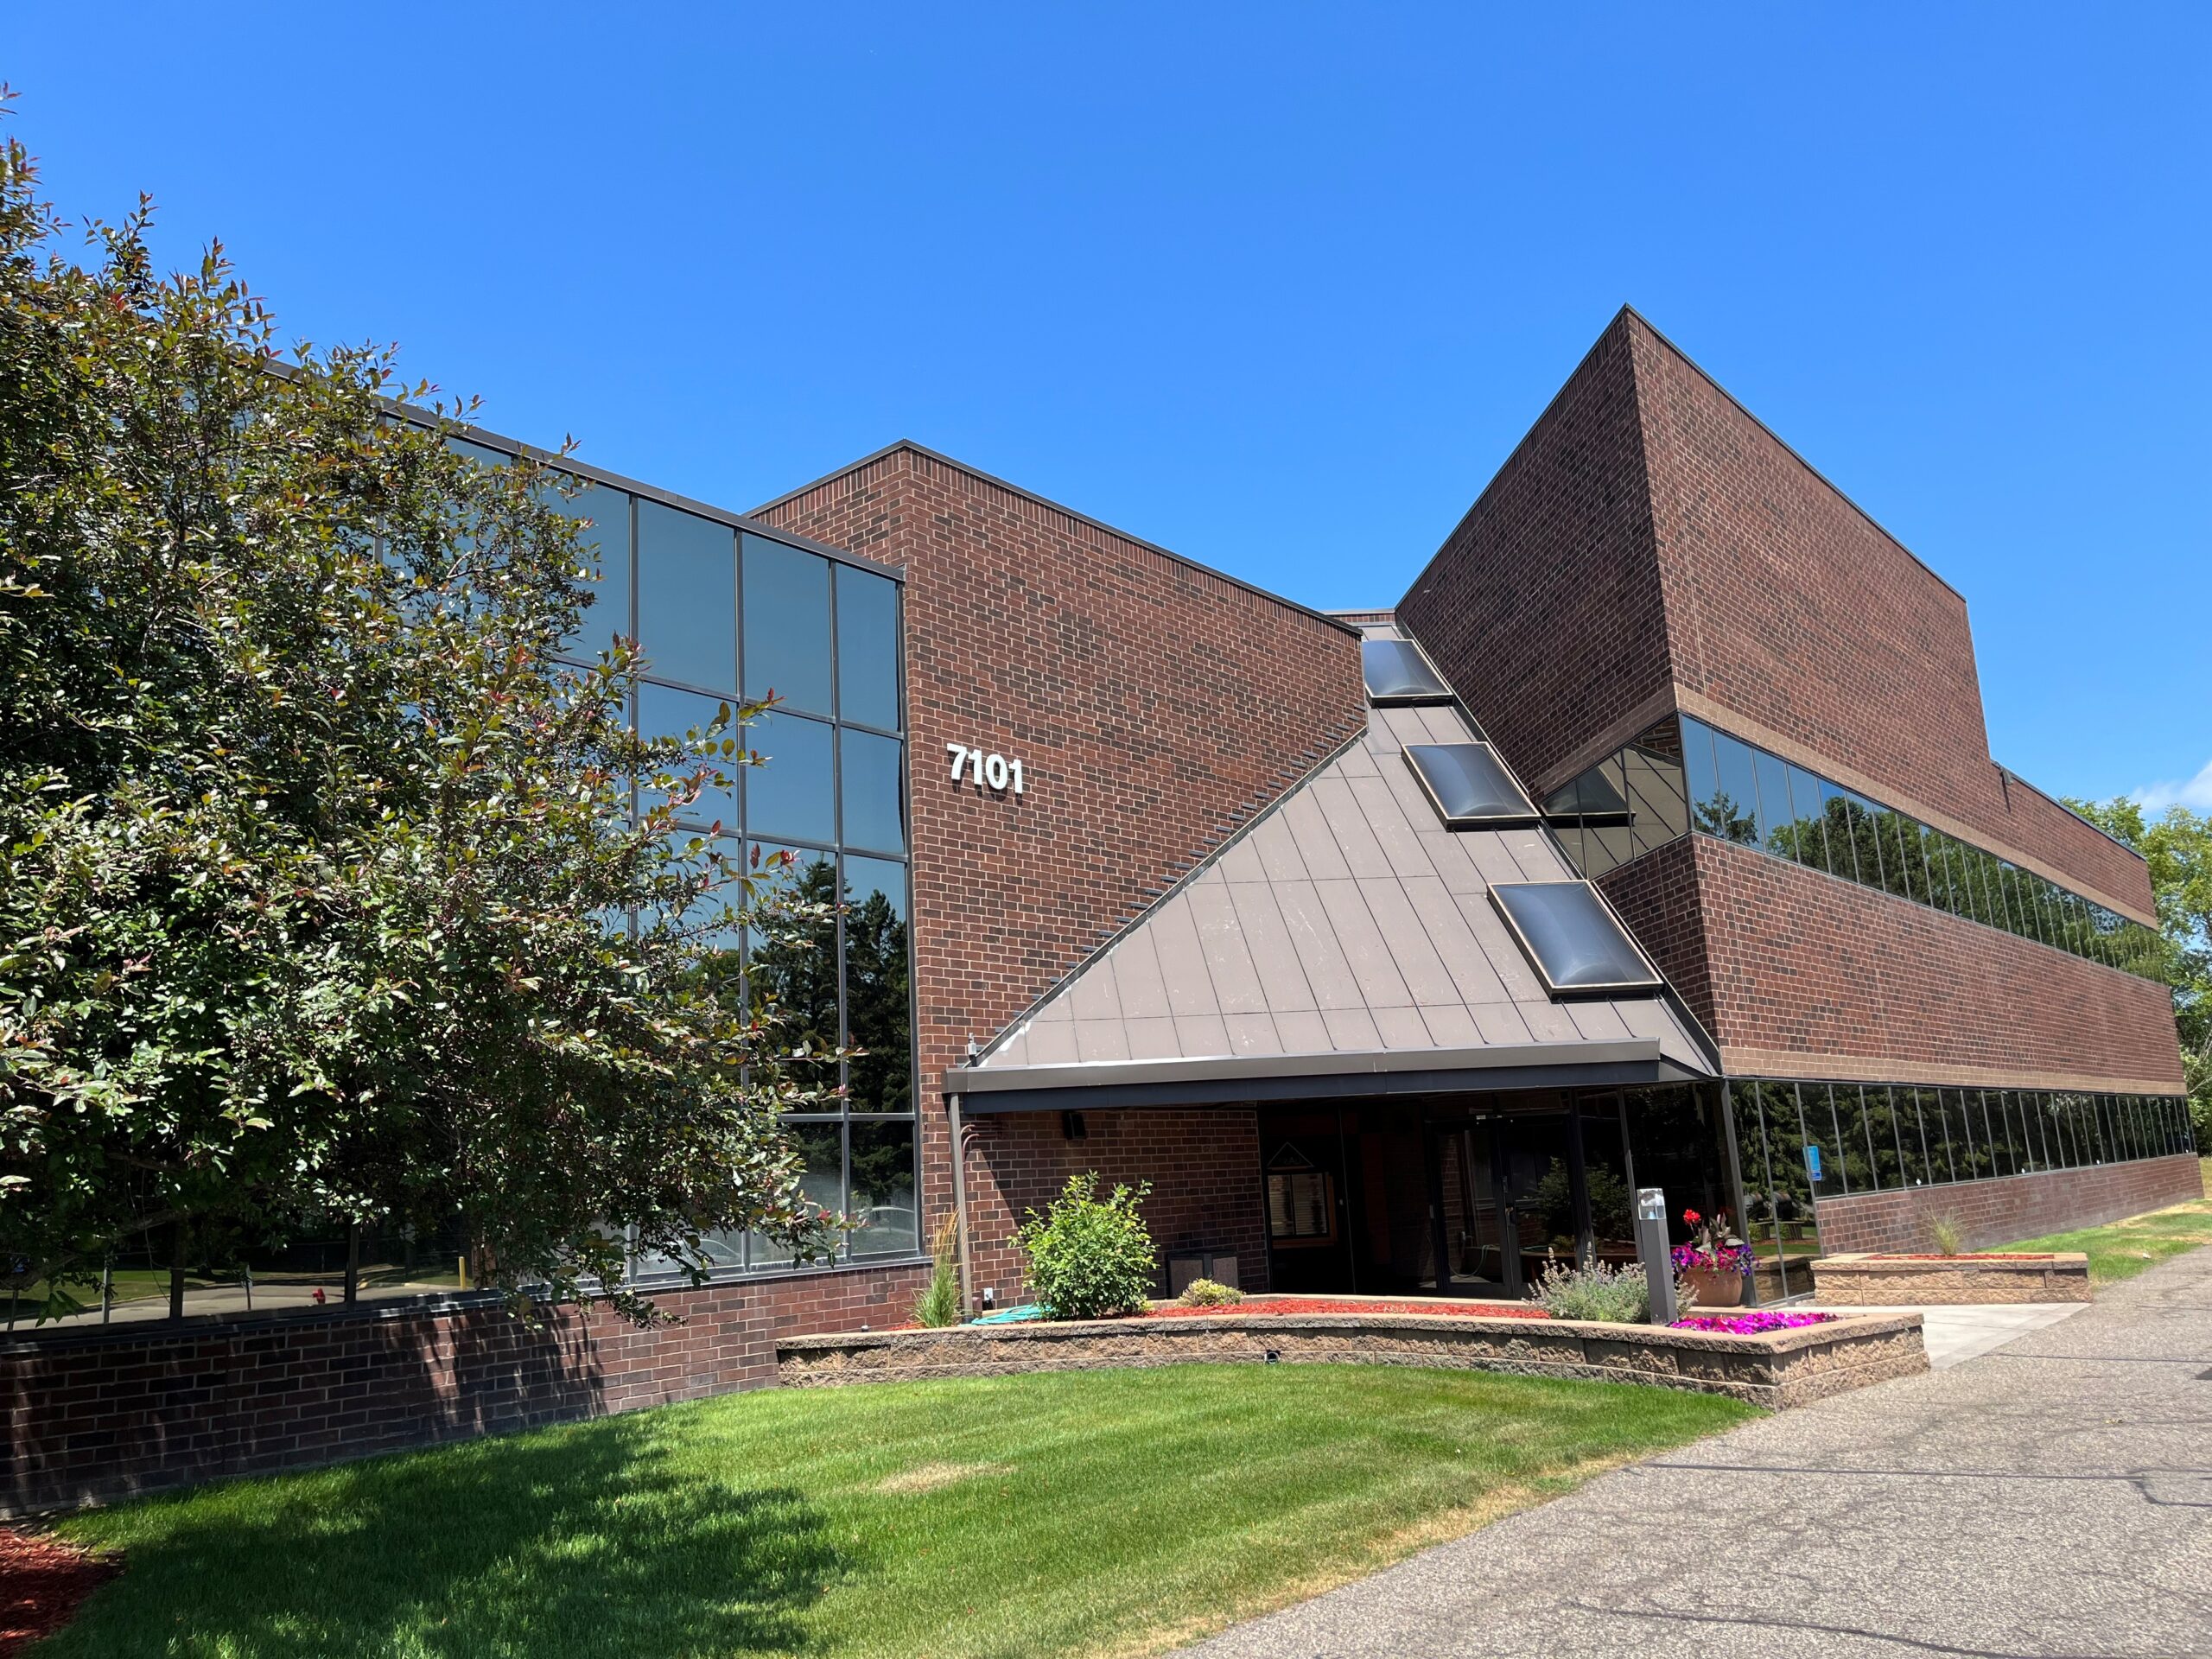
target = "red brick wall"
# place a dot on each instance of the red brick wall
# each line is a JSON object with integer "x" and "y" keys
{"x": 2006, "y": 1211}
{"x": 1812, "y": 975}
{"x": 1203, "y": 1165}
{"x": 1786, "y": 604}
{"x": 1543, "y": 606}
{"x": 1657, "y": 897}
{"x": 1156, "y": 707}
{"x": 103, "y": 1414}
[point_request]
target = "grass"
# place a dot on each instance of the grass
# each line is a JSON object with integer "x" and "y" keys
{"x": 1108, "y": 1512}
{"x": 2120, "y": 1249}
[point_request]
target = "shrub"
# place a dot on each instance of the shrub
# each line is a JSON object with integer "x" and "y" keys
{"x": 939, "y": 1302}
{"x": 1617, "y": 1295}
{"x": 1209, "y": 1293}
{"x": 1088, "y": 1257}
{"x": 1947, "y": 1234}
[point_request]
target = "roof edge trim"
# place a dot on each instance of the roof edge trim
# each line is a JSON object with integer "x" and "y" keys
{"x": 965, "y": 1080}
{"x": 996, "y": 482}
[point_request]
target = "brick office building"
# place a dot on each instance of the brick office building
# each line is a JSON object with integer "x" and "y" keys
{"x": 1651, "y": 838}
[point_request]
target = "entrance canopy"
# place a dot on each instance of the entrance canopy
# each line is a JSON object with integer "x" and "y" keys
{"x": 1352, "y": 940}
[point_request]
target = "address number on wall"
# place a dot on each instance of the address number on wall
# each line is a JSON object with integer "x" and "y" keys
{"x": 992, "y": 772}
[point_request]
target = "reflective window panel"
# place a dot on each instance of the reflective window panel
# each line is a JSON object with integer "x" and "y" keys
{"x": 868, "y": 648}
{"x": 687, "y": 597}
{"x": 787, "y": 625}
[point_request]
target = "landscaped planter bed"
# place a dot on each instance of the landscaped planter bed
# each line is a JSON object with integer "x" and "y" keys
{"x": 1868, "y": 1280}
{"x": 1776, "y": 1370}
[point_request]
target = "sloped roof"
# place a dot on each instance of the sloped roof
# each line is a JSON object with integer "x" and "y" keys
{"x": 1344, "y": 935}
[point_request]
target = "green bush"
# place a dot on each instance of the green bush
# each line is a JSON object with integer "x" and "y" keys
{"x": 1088, "y": 1257}
{"x": 939, "y": 1302}
{"x": 1209, "y": 1293}
{"x": 1617, "y": 1295}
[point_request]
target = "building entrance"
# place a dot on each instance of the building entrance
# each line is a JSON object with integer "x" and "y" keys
{"x": 1460, "y": 1197}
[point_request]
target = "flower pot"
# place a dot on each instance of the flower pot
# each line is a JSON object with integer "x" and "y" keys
{"x": 1717, "y": 1287}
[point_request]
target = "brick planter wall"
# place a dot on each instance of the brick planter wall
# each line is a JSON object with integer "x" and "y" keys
{"x": 1999, "y": 1212}
{"x": 105, "y": 1412}
{"x": 1785, "y": 1368}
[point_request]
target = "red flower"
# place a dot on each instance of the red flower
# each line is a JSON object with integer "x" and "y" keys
{"x": 1690, "y": 1218}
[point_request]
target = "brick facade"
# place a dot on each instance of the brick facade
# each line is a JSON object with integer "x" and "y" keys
{"x": 1203, "y": 1167}
{"x": 1156, "y": 706}
{"x": 2002, "y": 1212}
{"x": 1543, "y": 608}
{"x": 100, "y": 1415}
{"x": 1811, "y": 975}
{"x": 1651, "y": 546}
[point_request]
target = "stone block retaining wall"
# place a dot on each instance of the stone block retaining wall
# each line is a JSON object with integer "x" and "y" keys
{"x": 1785, "y": 1368}
{"x": 1897, "y": 1281}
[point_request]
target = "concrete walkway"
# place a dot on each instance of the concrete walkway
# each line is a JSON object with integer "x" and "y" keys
{"x": 2053, "y": 1497}
{"x": 1956, "y": 1333}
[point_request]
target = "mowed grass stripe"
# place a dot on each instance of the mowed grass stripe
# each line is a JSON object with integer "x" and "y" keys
{"x": 1110, "y": 1512}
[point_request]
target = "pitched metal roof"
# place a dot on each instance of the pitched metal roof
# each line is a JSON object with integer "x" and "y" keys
{"x": 1345, "y": 934}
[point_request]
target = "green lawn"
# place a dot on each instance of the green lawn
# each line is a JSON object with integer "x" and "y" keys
{"x": 1108, "y": 1512}
{"x": 2120, "y": 1249}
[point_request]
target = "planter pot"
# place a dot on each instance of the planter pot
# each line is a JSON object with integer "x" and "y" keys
{"x": 1717, "y": 1287}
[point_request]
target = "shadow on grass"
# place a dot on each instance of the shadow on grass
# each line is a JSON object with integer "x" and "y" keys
{"x": 579, "y": 1541}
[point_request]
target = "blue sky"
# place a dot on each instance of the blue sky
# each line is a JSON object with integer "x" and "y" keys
{"x": 1277, "y": 286}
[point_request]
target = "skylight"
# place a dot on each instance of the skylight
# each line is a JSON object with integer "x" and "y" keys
{"x": 1573, "y": 940}
{"x": 1469, "y": 786}
{"x": 1398, "y": 672}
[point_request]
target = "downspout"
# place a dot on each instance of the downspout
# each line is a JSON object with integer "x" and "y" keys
{"x": 960, "y": 1205}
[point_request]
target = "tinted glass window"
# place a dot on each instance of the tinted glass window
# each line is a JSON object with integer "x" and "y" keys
{"x": 787, "y": 625}
{"x": 1734, "y": 809}
{"x": 602, "y": 517}
{"x": 790, "y": 793}
{"x": 820, "y": 1146}
{"x": 1836, "y": 818}
{"x": 874, "y": 797}
{"x": 1467, "y": 784}
{"x": 1571, "y": 938}
{"x": 1398, "y": 672}
{"x": 883, "y": 1200}
{"x": 664, "y": 711}
{"x": 1809, "y": 832}
{"x": 876, "y": 986}
{"x": 1776, "y": 819}
{"x": 687, "y": 597}
{"x": 1704, "y": 781}
{"x": 868, "y": 648}
{"x": 1881, "y": 1135}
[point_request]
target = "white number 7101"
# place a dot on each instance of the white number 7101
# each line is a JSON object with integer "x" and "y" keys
{"x": 993, "y": 772}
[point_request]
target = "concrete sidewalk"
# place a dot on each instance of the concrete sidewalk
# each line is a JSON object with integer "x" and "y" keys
{"x": 2053, "y": 1497}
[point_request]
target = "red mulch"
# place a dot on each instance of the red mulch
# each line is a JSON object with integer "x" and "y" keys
{"x": 43, "y": 1582}
{"x": 1450, "y": 1305}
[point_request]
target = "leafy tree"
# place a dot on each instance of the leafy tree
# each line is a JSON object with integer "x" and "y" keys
{"x": 2177, "y": 845}
{"x": 321, "y": 895}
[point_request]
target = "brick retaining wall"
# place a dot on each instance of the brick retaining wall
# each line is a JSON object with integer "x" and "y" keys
{"x": 2002, "y": 1212}
{"x": 108, "y": 1412}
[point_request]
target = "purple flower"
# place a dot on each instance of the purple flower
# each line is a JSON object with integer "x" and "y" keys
{"x": 1750, "y": 1324}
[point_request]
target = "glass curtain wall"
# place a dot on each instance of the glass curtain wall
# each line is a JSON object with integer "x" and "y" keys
{"x": 718, "y": 612}
{"x": 1683, "y": 775}
{"x": 1743, "y": 794}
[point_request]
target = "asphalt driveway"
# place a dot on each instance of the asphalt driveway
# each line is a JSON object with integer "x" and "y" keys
{"x": 2051, "y": 1497}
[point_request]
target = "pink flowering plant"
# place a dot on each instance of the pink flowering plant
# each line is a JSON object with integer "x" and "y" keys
{"x": 1714, "y": 1248}
{"x": 1753, "y": 1324}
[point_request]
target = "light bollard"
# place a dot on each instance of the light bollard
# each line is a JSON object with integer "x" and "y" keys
{"x": 1652, "y": 1248}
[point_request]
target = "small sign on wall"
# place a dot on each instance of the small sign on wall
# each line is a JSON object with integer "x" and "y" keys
{"x": 993, "y": 771}
{"x": 1812, "y": 1163}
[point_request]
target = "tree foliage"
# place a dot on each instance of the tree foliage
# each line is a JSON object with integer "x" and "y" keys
{"x": 2177, "y": 845}
{"x": 321, "y": 893}
{"x": 1089, "y": 1257}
